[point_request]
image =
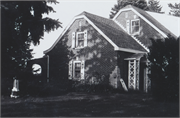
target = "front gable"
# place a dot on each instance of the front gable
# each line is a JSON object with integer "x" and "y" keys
{"x": 74, "y": 27}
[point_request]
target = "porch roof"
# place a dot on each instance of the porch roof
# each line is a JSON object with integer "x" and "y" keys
{"x": 135, "y": 57}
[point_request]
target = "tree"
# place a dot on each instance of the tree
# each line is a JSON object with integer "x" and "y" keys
{"x": 164, "y": 67}
{"x": 154, "y": 6}
{"x": 22, "y": 24}
{"x": 175, "y": 9}
{"x": 142, "y": 4}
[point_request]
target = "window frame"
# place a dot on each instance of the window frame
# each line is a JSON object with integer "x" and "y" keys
{"x": 135, "y": 33}
{"x": 77, "y": 40}
{"x": 74, "y": 68}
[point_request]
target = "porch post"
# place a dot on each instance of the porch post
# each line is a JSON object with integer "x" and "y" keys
{"x": 137, "y": 74}
{"x": 132, "y": 74}
{"x": 47, "y": 68}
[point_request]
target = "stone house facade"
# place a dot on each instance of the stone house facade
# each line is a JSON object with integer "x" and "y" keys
{"x": 112, "y": 49}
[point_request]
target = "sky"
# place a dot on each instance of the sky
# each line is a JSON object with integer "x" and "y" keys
{"x": 66, "y": 10}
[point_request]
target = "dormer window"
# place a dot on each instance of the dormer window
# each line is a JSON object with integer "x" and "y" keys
{"x": 79, "y": 39}
{"x": 135, "y": 27}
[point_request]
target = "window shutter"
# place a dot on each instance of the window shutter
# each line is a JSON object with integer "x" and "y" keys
{"x": 82, "y": 69}
{"x": 73, "y": 40}
{"x": 127, "y": 26}
{"x": 70, "y": 70}
{"x": 85, "y": 38}
{"x": 76, "y": 41}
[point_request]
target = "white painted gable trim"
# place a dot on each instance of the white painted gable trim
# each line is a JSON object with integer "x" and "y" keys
{"x": 152, "y": 25}
{"x": 116, "y": 48}
{"x": 90, "y": 22}
{"x": 64, "y": 31}
{"x": 129, "y": 50}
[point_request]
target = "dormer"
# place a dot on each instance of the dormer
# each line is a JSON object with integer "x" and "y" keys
{"x": 129, "y": 20}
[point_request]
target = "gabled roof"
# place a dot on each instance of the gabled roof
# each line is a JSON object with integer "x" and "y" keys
{"x": 149, "y": 18}
{"x": 116, "y": 36}
{"x": 114, "y": 32}
{"x": 172, "y": 23}
{"x": 135, "y": 56}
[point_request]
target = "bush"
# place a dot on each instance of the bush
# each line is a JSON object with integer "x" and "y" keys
{"x": 38, "y": 87}
{"x": 6, "y": 86}
{"x": 164, "y": 67}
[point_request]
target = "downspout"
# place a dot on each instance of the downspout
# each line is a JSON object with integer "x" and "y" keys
{"x": 47, "y": 68}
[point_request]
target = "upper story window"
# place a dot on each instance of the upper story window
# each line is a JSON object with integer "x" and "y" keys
{"x": 135, "y": 26}
{"x": 79, "y": 39}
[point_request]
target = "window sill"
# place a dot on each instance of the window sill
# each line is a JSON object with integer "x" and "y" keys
{"x": 78, "y": 48}
{"x": 137, "y": 33}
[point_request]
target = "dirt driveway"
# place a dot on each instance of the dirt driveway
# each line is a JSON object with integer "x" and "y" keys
{"x": 88, "y": 105}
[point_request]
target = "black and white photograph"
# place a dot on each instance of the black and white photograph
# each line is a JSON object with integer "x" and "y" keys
{"x": 90, "y": 58}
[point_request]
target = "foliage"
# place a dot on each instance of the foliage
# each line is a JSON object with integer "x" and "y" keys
{"x": 164, "y": 67}
{"x": 175, "y": 9}
{"x": 59, "y": 59}
{"x": 142, "y": 4}
{"x": 154, "y": 6}
{"x": 34, "y": 87}
{"x": 22, "y": 24}
{"x": 94, "y": 83}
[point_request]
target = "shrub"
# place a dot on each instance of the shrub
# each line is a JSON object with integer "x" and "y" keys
{"x": 164, "y": 67}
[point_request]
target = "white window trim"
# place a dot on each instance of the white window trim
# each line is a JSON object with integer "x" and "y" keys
{"x": 76, "y": 40}
{"x": 74, "y": 67}
{"x": 136, "y": 33}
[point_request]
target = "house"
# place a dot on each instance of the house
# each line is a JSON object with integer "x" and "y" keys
{"x": 109, "y": 49}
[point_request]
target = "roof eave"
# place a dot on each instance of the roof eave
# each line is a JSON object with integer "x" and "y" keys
{"x": 129, "y": 50}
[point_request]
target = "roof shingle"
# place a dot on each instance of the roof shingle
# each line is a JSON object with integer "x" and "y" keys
{"x": 114, "y": 32}
{"x": 152, "y": 20}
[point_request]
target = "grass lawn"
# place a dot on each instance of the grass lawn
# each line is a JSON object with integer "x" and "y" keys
{"x": 88, "y": 105}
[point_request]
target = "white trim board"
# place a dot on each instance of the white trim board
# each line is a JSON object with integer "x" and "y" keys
{"x": 116, "y": 48}
{"x": 129, "y": 50}
{"x": 152, "y": 25}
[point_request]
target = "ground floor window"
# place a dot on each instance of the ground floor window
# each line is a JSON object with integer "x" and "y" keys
{"x": 76, "y": 69}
